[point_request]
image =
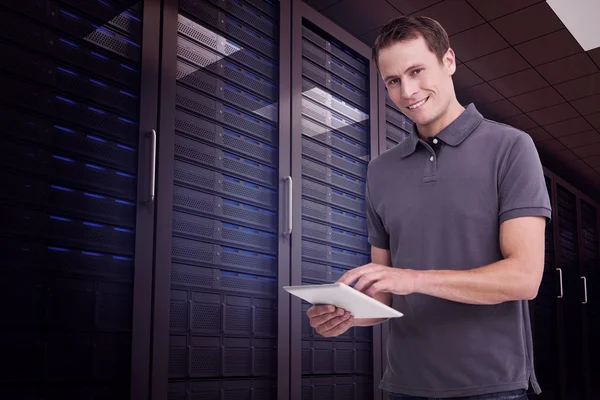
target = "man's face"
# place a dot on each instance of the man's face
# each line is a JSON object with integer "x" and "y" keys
{"x": 416, "y": 81}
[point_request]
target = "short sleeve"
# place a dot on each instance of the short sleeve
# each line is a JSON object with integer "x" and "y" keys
{"x": 522, "y": 186}
{"x": 378, "y": 235}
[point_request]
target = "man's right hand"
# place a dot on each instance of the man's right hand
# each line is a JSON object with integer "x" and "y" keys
{"x": 329, "y": 321}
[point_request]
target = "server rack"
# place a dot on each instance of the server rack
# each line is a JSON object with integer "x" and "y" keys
{"x": 70, "y": 234}
{"x": 544, "y": 313}
{"x": 397, "y": 125}
{"x": 570, "y": 312}
{"x": 216, "y": 326}
{"x": 334, "y": 125}
{"x": 590, "y": 257}
{"x": 115, "y": 305}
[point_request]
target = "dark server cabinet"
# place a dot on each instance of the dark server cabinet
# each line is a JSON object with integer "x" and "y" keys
{"x": 216, "y": 327}
{"x": 70, "y": 213}
{"x": 544, "y": 313}
{"x": 570, "y": 287}
{"x": 588, "y": 245}
{"x": 333, "y": 139}
{"x": 397, "y": 125}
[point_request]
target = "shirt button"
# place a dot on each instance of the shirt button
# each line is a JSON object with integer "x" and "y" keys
{"x": 435, "y": 141}
{"x": 431, "y": 158}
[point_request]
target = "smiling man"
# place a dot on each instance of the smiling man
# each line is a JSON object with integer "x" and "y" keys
{"x": 456, "y": 218}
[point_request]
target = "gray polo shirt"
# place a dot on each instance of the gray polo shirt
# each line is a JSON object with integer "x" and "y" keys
{"x": 438, "y": 204}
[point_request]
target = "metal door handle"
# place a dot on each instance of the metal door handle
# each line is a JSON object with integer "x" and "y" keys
{"x": 288, "y": 230}
{"x": 152, "y": 166}
{"x": 584, "y": 290}
{"x": 561, "y": 283}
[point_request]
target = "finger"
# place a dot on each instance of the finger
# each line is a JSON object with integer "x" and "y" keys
{"x": 356, "y": 273}
{"x": 332, "y": 323}
{"x": 379, "y": 286}
{"x": 316, "y": 322}
{"x": 317, "y": 310}
{"x": 368, "y": 279}
{"x": 340, "y": 328}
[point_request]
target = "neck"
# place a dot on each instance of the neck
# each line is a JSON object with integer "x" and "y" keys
{"x": 453, "y": 111}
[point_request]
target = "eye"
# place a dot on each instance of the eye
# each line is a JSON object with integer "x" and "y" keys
{"x": 417, "y": 71}
{"x": 393, "y": 81}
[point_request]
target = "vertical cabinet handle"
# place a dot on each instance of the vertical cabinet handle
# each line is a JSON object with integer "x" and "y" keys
{"x": 152, "y": 166}
{"x": 584, "y": 290}
{"x": 288, "y": 230}
{"x": 560, "y": 296}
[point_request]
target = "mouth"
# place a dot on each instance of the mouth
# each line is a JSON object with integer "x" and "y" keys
{"x": 419, "y": 104}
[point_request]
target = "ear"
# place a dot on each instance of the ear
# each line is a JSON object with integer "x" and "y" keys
{"x": 450, "y": 61}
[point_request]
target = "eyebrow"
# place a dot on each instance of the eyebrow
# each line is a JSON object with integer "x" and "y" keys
{"x": 387, "y": 78}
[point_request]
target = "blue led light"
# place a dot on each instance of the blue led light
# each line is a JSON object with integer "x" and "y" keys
{"x": 64, "y": 129}
{"x": 67, "y": 42}
{"x": 59, "y": 249}
{"x": 54, "y": 217}
{"x": 64, "y": 189}
{"x": 63, "y": 158}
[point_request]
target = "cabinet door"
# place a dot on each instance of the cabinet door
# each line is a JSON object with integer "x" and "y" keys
{"x": 572, "y": 340}
{"x": 545, "y": 321}
{"x": 332, "y": 141}
{"x": 216, "y": 322}
{"x": 591, "y": 298}
{"x": 71, "y": 220}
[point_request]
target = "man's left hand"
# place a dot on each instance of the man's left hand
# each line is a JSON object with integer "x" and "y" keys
{"x": 374, "y": 278}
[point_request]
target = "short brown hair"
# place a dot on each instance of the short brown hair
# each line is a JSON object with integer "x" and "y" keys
{"x": 407, "y": 27}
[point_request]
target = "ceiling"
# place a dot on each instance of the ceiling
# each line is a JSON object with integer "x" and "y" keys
{"x": 517, "y": 63}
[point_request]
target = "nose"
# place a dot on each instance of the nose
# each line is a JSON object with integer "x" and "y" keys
{"x": 408, "y": 89}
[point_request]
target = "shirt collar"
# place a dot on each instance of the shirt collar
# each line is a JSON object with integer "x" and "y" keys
{"x": 453, "y": 135}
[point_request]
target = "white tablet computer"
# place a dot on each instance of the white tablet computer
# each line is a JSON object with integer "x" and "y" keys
{"x": 340, "y": 295}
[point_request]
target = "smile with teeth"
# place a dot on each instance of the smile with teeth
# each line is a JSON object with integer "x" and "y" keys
{"x": 419, "y": 104}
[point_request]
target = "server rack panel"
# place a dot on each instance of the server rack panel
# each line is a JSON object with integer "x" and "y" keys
{"x": 70, "y": 22}
{"x": 24, "y": 254}
{"x": 398, "y": 120}
{"x": 332, "y": 64}
{"x": 332, "y": 196}
{"x": 64, "y": 108}
{"x": 223, "y": 113}
{"x": 334, "y": 117}
{"x": 318, "y": 252}
{"x": 76, "y": 51}
{"x": 334, "y": 216}
{"x": 202, "y": 179}
{"x": 224, "y": 138}
{"x": 221, "y": 333}
{"x": 208, "y": 205}
{"x": 352, "y": 387}
{"x": 334, "y": 139}
{"x": 239, "y": 388}
{"x": 193, "y": 252}
{"x": 70, "y": 111}
{"x": 334, "y": 120}
{"x": 337, "y": 49}
{"x": 330, "y": 81}
{"x": 196, "y": 153}
{"x": 208, "y": 60}
{"x": 65, "y": 79}
{"x": 71, "y": 142}
{"x": 334, "y": 158}
{"x": 210, "y": 85}
{"x": 333, "y": 102}
{"x": 230, "y": 48}
{"x": 545, "y": 316}
{"x": 568, "y": 259}
{"x": 239, "y": 29}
